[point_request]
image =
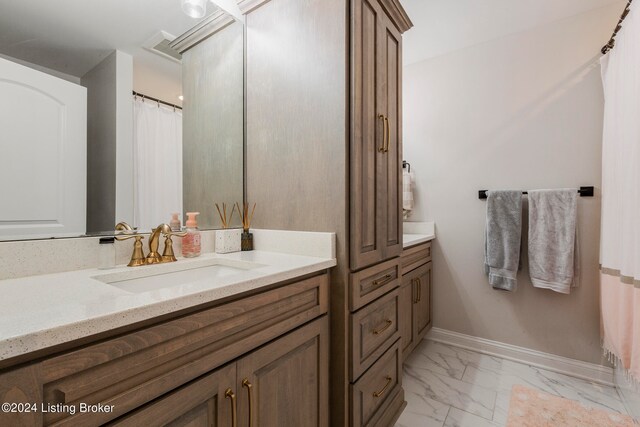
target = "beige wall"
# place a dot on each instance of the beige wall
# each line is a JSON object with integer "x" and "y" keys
{"x": 521, "y": 111}
{"x": 213, "y": 119}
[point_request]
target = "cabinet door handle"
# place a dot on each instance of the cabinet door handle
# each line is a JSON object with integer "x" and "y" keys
{"x": 381, "y": 392}
{"x": 416, "y": 288}
{"x": 386, "y": 149}
{"x": 384, "y": 132}
{"x": 419, "y": 289}
{"x": 387, "y": 323}
{"x": 249, "y": 386}
{"x": 229, "y": 394}
{"x": 381, "y": 281}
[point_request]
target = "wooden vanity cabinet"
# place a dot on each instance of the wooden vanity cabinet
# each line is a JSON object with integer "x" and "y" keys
{"x": 177, "y": 372}
{"x": 284, "y": 383}
{"x": 415, "y": 297}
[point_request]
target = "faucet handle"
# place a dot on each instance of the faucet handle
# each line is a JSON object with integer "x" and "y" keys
{"x": 168, "y": 255}
{"x": 137, "y": 258}
{"x": 125, "y": 228}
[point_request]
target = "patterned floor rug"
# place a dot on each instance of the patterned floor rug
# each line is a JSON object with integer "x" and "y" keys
{"x": 533, "y": 408}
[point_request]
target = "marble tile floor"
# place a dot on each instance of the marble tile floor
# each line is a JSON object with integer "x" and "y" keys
{"x": 453, "y": 387}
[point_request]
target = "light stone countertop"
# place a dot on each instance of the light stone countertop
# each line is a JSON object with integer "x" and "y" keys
{"x": 414, "y": 239}
{"x": 42, "y": 311}
{"x": 417, "y": 232}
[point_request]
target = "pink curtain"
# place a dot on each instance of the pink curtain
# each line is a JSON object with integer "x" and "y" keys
{"x": 620, "y": 239}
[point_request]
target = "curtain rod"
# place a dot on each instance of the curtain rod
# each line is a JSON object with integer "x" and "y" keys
{"x": 612, "y": 41}
{"x": 583, "y": 192}
{"x": 150, "y": 98}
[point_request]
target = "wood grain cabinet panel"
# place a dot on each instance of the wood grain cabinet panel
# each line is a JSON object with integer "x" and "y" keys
{"x": 286, "y": 383}
{"x": 205, "y": 402}
{"x": 378, "y": 389}
{"x": 367, "y": 285}
{"x": 423, "y": 305}
{"x": 376, "y": 136}
{"x": 405, "y": 319}
{"x": 415, "y": 298}
{"x": 415, "y": 256}
{"x": 373, "y": 329}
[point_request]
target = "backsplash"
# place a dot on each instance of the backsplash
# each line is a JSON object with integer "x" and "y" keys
{"x": 35, "y": 257}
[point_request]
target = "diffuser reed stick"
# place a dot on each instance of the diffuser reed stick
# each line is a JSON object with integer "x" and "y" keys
{"x": 245, "y": 217}
{"x": 223, "y": 215}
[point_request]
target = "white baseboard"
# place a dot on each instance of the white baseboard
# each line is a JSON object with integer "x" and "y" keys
{"x": 575, "y": 368}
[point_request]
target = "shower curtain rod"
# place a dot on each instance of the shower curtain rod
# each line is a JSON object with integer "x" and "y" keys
{"x": 143, "y": 96}
{"x": 583, "y": 192}
{"x": 612, "y": 41}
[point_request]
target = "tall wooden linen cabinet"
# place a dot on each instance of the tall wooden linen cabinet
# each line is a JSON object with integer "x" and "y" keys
{"x": 324, "y": 153}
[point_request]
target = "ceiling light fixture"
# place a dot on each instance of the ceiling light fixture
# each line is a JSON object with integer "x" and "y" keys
{"x": 195, "y": 8}
{"x": 198, "y": 8}
{"x": 181, "y": 98}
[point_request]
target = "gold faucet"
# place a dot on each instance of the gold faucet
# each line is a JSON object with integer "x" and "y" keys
{"x": 154, "y": 241}
{"x": 154, "y": 257}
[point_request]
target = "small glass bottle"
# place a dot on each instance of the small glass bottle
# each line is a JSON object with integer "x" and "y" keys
{"x": 175, "y": 222}
{"x": 107, "y": 253}
{"x": 191, "y": 245}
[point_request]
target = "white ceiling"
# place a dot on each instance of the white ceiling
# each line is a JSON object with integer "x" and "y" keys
{"x": 72, "y": 36}
{"x": 442, "y": 26}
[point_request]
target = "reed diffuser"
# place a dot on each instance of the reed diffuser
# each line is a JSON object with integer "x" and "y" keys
{"x": 247, "y": 238}
{"x": 227, "y": 239}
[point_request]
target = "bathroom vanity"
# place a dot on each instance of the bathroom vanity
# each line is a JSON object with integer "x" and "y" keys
{"x": 202, "y": 351}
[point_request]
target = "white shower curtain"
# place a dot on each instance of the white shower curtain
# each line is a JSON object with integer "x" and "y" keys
{"x": 620, "y": 241}
{"x": 157, "y": 155}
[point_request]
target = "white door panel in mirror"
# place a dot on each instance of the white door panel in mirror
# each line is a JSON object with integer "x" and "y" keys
{"x": 43, "y": 162}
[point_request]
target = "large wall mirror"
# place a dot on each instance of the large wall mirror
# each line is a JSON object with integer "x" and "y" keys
{"x": 119, "y": 110}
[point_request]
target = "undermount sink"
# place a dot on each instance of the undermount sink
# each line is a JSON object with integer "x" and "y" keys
{"x": 161, "y": 276}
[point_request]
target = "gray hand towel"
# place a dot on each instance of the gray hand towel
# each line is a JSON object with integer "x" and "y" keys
{"x": 502, "y": 238}
{"x": 553, "y": 256}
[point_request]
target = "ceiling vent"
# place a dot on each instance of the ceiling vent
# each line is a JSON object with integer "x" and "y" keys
{"x": 159, "y": 44}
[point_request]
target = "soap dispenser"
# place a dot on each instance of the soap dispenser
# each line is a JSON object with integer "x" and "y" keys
{"x": 175, "y": 222}
{"x": 191, "y": 245}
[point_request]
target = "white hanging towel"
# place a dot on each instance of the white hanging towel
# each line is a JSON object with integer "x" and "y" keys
{"x": 407, "y": 192}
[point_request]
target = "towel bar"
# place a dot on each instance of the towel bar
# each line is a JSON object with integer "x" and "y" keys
{"x": 583, "y": 191}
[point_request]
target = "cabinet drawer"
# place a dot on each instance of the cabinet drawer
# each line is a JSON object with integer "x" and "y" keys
{"x": 373, "y": 282}
{"x": 373, "y": 329}
{"x": 372, "y": 394}
{"x": 415, "y": 256}
{"x": 136, "y": 368}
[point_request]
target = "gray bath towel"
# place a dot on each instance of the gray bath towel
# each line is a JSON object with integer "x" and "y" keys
{"x": 502, "y": 239}
{"x": 553, "y": 257}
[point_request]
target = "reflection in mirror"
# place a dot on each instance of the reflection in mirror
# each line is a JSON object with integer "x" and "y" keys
{"x": 81, "y": 151}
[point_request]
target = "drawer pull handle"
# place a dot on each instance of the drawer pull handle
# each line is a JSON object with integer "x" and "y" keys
{"x": 229, "y": 394}
{"x": 381, "y": 392}
{"x": 382, "y": 281}
{"x": 384, "y": 328}
{"x": 248, "y": 385}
